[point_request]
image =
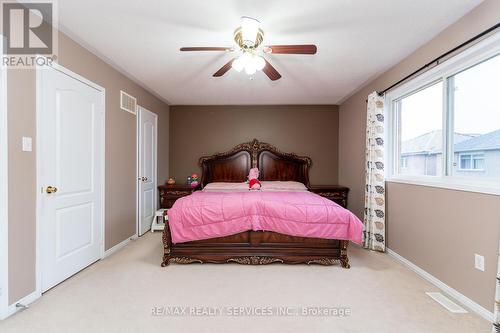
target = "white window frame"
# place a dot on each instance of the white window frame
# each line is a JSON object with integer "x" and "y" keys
{"x": 471, "y": 154}
{"x": 472, "y": 56}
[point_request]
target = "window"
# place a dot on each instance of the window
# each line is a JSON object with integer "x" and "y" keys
{"x": 420, "y": 131}
{"x": 473, "y": 95}
{"x": 470, "y": 162}
{"x": 404, "y": 162}
{"x": 465, "y": 162}
{"x": 444, "y": 125}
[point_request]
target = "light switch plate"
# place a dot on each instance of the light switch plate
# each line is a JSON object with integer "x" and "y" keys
{"x": 479, "y": 262}
{"x": 27, "y": 143}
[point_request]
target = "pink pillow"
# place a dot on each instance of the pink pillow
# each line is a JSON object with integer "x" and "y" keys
{"x": 226, "y": 187}
{"x": 288, "y": 186}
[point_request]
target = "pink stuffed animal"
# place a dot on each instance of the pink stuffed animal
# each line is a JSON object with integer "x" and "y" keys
{"x": 253, "y": 181}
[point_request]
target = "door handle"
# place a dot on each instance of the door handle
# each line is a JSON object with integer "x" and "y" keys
{"x": 144, "y": 179}
{"x": 51, "y": 189}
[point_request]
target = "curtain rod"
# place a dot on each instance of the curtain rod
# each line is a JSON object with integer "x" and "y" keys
{"x": 485, "y": 32}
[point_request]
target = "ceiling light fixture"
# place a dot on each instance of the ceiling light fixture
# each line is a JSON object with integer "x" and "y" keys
{"x": 250, "y": 62}
{"x": 249, "y": 36}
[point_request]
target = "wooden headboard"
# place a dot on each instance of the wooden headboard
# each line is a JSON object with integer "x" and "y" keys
{"x": 234, "y": 165}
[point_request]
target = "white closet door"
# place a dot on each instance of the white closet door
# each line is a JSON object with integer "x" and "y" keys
{"x": 70, "y": 121}
{"x": 147, "y": 198}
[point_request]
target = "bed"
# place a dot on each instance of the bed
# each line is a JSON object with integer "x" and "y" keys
{"x": 254, "y": 247}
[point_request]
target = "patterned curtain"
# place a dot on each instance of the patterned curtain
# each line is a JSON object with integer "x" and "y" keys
{"x": 496, "y": 318}
{"x": 374, "y": 219}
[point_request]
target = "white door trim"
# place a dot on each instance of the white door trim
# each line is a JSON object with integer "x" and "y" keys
{"x": 4, "y": 197}
{"x": 138, "y": 158}
{"x": 68, "y": 72}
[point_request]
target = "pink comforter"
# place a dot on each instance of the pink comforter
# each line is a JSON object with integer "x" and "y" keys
{"x": 204, "y": 215}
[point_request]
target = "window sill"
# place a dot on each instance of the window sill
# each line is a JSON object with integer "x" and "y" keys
{"x": 490, "y": 187}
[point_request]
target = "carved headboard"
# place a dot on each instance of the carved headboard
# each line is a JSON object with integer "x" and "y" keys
{"x": 234, "y": 165}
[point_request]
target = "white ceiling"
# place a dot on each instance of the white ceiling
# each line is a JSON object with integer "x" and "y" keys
{"x": 357, "y": 40}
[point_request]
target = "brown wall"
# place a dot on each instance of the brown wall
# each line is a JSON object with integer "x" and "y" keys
{"x": 305, "y": 130}
{"x": 120, "y": 158}
{"x": 438, "y": 230}
{"x": 21, "y": 103}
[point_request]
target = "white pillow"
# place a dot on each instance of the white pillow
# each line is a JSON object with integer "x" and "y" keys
{"x": 282, "y": 186}
{"x": 225, "y": 187}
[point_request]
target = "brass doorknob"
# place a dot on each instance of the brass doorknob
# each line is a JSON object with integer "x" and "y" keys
{"x": 51, "y": 189}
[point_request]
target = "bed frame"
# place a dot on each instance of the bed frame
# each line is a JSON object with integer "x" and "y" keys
{"x": 255, "y": 247}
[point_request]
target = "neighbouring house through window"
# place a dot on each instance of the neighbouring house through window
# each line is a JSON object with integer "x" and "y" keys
{"x": 473, "y": 95}
{"x": 420, "y": 131}
{"x": 471, "y": 162}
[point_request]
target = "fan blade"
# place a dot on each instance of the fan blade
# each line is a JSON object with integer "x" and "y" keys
{"x": 223, "y": 70}
{"x": 291, "y": 49}
{"x": 271, "y": 72}
{"x": 206, "y": 48}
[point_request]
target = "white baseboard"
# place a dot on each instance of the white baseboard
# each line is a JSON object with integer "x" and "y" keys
{"x": 11, "y": 309}
{"x": 118, "y": 246}
{"x": 467, "y": 302}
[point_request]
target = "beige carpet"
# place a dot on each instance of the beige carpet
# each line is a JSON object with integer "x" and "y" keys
{"x": 118, "y": 294}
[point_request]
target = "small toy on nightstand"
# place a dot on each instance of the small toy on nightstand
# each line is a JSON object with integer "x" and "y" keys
{"x": 171, "y": 181}
{"x": 194, "y": 180}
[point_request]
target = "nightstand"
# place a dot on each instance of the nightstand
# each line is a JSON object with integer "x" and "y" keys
{"x": 335, "y": 193}
{"x": 170, "y": 193}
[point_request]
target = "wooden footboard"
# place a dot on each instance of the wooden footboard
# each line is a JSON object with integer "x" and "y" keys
{"x": 256, "y": 248}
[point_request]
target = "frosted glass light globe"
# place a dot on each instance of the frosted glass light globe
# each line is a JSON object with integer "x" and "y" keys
{"x": 238, "y": 64}
{"x": 259, "y": 63}
{"x": 250, "y": 69}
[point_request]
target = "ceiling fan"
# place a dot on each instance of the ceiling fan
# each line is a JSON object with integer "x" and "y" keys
{"x": 249, "y": 37}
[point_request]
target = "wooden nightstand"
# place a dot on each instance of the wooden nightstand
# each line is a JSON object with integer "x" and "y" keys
{"x": 335, "y": 193}
{"x": 170, "y": 193}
